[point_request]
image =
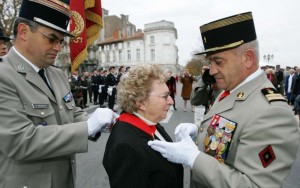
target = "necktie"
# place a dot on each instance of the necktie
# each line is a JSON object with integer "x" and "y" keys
{"x": 42, "y": 74}
{"x": 224, "y": 94}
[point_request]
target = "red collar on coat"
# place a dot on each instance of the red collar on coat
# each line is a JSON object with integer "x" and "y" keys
{"x": 137, "y": 122}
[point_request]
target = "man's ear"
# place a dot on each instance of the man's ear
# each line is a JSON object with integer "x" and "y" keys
{"x": 23, "y": 30}
{"x": 249, "y": 58}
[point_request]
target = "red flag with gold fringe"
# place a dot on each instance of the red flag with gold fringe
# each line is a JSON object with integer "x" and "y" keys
{"x": 93, "y": 13}
{"x": 86, "y": 22}
{"x": 78, "y": 44}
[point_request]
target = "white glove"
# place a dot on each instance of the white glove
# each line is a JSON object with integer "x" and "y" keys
{"x": 183, "y": 152}
{"x": 109, "y": 91}
{"x": 191, "y": 129}
{"x": 101, "y": 121}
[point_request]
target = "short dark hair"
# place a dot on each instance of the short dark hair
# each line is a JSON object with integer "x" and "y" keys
{"x": 33, "y": 25}
{"x": 120, "y": 68}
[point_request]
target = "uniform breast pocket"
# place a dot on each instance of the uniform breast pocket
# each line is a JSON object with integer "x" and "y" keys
{"x": 40, "y": 114}
{"x": 70, "y": 105}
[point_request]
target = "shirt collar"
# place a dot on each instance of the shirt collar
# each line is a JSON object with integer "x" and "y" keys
{"x": 144, "y": 119}
{"x": 248, "y": 79}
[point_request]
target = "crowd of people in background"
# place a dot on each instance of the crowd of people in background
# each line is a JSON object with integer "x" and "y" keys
{"x": 97, "y": 86}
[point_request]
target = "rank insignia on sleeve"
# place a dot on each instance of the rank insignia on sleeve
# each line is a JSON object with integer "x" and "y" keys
{"x": 272, "y": 95}
{"x": 267, "y": 156}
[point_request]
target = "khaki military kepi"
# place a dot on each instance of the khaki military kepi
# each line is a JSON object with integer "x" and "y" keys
{"x": 51, "y": 13}
{"x": 227, "y": 33}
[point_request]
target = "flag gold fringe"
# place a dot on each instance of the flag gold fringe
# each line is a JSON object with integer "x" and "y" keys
{"x": 79, "y": 59}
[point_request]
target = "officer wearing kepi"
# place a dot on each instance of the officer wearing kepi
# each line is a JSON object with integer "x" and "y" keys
{"x": 41, "y": 129}
{"x": 250, "y": 136}
{"x": 3, "y": 42}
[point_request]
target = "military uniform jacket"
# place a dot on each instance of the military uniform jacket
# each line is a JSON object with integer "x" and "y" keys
{"x": 38, "y": 133}
{"x": 95, "y": 82}
{"x": 260, "y": 124}
{"x": 111, "y": 80}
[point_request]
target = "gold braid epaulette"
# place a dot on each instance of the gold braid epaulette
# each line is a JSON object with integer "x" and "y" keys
{"x": 272, "y": 95}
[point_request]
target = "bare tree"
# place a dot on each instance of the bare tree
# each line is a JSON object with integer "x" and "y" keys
{"x": 196, "y": 63}
{"x": 9, "y": 12}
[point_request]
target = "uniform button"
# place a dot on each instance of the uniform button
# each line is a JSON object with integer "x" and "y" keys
{"x": 60, "y": 107}
{"x": 201, "y": 129}
{"x": 25, "y": 186}
{"x": 73, "y": 161}
{"x": 42, "y": 113}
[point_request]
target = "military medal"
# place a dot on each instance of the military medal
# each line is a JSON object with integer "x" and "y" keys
{"x": 221, "y": 147}
{"x": 206, "y": 141}
{"x": 218, "y": 138}
{"x": 214, "y": 145}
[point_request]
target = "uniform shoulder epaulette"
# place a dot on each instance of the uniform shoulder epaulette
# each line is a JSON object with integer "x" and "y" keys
{"x": 272, "y": 95}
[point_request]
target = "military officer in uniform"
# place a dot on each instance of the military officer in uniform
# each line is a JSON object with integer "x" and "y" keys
{"x": 3, "y": 42}
{"x": 41, "y": 129}
{"x": 111, "y": 82}
{"x": 250, "y": 136}
{"x": 95, "y": 85}
{"x": 102, "y": 88}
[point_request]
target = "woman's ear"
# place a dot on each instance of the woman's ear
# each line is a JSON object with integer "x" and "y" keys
{"x": 141, "y": 105}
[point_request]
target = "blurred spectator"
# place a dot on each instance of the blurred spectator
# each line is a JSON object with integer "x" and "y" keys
{"x": 84, "y": 87}
{"x": 288, "y": 86}
{"x": 75, "y": 83}
{"x": 3, "y": 41}
{"x": 171, "y": 83}
{"x": 95, "y": 85}
{"x": 279, "y": 76}
{"x": 111, "y": 82}
{"x": 271, "y": 76}
{"x": 187, "y": 81}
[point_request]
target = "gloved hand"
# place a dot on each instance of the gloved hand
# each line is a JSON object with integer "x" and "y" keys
{"x": 109, "y": 91}
{"x": 183, "y": 152}
{"x": 191, "y": 129}
{"x": 101, "y": 121}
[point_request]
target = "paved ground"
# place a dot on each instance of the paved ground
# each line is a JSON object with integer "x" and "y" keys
{"x": 91, "y": 173}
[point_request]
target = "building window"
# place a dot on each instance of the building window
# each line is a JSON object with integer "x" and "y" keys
{"x": 138, "y": 54}
{"x": 114, "y": 56}
{"x": 152, "y": 40}
{"x": 120, "y": 55}
{"x": 128, "y": 44}
{"x": 152, "y": 55}
{"x": 128, "y": 55}
{"x": 107, "y": 57}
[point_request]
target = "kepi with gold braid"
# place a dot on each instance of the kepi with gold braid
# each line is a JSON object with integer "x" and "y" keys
{"x": 227, "y": 33}
{"x": 51, "y": 13}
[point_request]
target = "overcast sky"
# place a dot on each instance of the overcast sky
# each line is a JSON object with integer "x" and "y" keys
{"x": 277, "y": 22}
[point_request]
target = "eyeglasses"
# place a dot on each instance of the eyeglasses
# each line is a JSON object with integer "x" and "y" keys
{"x": 164, "y": 96}
{"x": 53, "y": 39}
